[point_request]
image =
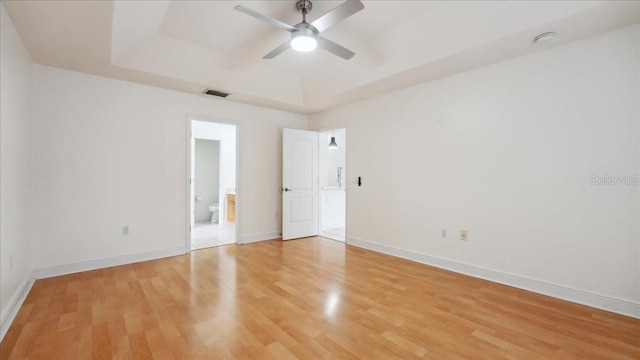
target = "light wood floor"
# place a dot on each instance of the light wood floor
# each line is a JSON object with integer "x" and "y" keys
{"x": 307, "y": 299}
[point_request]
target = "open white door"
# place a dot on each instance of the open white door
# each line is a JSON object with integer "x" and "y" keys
{"x": 299, "y": 184}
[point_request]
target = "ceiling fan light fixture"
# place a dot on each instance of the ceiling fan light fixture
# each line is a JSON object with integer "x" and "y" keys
{"x": 306, "y": 36}
{"x": 304, "y": 41}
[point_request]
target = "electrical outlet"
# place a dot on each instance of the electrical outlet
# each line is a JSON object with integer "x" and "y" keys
{"x": 463, "y": 235}
{"x": 125, "y": 230}
{"x": 11, "y": 263}
{"x": 276, "y": 214}
{"x": 443, "y": 233}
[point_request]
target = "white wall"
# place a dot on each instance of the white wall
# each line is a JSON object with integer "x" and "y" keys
{"x": 506, "y": 152}
{"x": 16, "y": 78}
{"x": 109, "y": 153}
{"x": 207, "y": 177}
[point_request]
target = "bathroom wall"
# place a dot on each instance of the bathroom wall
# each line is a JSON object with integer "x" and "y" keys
{"x": 206, "y": 179}
{"x": 16, "y": 181}
{"x": 508, "y": 152}
{"x": 109, "y": 153}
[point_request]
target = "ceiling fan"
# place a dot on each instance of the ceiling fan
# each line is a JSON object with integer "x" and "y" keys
{"x": 306, "y": 36}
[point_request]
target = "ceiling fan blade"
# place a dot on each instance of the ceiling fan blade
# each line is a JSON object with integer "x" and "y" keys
{"x": 334, "y": 48}
{"x": 271, "y": 21}
{"x": 337, "y": 14}
{"x": 277, "y": 51}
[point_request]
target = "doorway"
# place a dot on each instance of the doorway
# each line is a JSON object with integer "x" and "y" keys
{"x": 314, "y": 184}
{"x": 212, "y": 185}
{"x": 333, "y": 170}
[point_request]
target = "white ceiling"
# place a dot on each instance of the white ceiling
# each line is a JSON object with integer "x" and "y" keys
{"x": 193, "y": 45}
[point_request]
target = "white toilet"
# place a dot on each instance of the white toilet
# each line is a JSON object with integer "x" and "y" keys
{"x": 215, "y": 209}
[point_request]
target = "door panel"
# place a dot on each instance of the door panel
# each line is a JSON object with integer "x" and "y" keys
{"x": 301, "y": 167}
{"x": 299, "y": 184}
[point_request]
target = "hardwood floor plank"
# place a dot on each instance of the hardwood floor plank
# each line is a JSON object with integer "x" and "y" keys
{"x": 305, "y": 299}
{"x": 139, "y": 346}
{"x": 100, "y": 341}
{"x": 405, "y": 344}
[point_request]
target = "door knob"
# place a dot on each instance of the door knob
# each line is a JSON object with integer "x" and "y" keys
{"x": 287, "y": 189}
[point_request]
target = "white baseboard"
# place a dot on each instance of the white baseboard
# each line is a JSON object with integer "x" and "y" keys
{"x": 260, "y": 237}
{"x": 58, "y": 270}
{"x": 11, "y": 309}
{"x": 604, "y": 302}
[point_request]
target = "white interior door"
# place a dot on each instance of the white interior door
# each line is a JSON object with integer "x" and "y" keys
{"x": 299, "y": 184}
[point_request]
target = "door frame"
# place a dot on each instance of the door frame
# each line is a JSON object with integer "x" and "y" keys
{"x": 188, "y": 197}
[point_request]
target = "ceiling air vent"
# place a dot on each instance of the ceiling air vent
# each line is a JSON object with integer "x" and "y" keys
{"x": 215, "y": 93}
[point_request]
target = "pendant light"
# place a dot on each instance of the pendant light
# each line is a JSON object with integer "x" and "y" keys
{"x": 332, "y": 143}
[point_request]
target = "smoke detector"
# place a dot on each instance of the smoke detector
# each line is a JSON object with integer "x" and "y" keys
{"x": 544, "y": 38}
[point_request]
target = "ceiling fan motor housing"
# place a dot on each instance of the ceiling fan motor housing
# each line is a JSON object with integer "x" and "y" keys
{"x": 305, "y": 29}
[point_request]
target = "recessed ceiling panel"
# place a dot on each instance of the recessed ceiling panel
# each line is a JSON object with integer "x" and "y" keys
{"x": 187, "y": 45}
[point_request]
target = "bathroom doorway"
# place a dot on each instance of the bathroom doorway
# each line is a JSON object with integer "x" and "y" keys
{"x": 332, "y": 171}
{"x": 212, "y": 179}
